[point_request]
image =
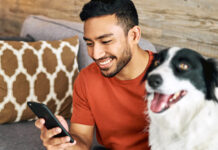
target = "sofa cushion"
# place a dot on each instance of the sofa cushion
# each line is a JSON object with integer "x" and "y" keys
{"x": 27, "y": 38}
{"x": 42, "y": 71}
{"x": 44, "y": 28}
{"x": 24, "y": 135}
{"x": 20, "y": 136}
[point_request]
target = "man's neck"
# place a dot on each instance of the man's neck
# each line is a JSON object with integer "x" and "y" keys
{"x": 135, "y": 67}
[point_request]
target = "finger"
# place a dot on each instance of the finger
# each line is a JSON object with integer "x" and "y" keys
{"x": 47, "y": 134}
{"x": 59, "y": 141}
{"x": 47, "y": 137}
{"x": 59, "y": 117}
{"x": 40, "y": 123}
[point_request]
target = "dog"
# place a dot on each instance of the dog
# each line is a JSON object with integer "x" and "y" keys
{"x": 182, "y": 95}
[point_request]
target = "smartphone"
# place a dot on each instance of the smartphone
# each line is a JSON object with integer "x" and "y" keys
{"x": 42, "y": 111}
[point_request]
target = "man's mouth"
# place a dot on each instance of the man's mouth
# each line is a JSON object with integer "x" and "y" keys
{"x": 162, "y": 102}
{"x": 105, "y": 63}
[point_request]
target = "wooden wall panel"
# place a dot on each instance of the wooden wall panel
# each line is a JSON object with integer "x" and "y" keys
{"x": 184, "y": 23}
{"x": 15, "y": 11}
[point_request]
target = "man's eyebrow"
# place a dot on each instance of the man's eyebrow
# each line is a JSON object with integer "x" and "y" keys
{"x": 86, "y": 39}
{"x": 104, "y": 36}
{"x": 100, "y": 37}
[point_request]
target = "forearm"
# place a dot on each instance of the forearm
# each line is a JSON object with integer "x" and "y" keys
{"x": 83, "y": 135}
{"x": 81, "y": 143}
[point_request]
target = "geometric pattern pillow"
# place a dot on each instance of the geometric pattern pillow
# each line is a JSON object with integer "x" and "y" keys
{"x": 42, "y": 71}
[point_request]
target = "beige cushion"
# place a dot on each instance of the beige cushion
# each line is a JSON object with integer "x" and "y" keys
{"x": 44, "y": 28}
{"x": 42, "y": 71}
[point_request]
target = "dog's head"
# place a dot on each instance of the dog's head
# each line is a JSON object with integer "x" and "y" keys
{"x": 178, "y": 76}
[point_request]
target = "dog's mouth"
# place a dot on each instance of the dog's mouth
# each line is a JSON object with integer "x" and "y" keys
{"x": 162, "y": 102}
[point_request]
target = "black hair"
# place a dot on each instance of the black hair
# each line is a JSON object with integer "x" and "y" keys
{"x": 124, "y": 10}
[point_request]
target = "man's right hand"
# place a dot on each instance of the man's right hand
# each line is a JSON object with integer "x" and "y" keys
{"x": 47, "y": 136}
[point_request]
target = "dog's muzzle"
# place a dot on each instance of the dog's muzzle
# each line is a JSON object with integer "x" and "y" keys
{"x": 155, "y": 80}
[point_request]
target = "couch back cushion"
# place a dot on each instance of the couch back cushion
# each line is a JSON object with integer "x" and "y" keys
{"x": 42, "y": 71}
{"x": 44, "y": 28}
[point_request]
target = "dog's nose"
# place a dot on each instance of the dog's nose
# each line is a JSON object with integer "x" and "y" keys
{"x": 155, "y": 80}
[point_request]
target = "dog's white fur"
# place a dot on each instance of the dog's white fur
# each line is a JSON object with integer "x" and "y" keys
{"x": 190, "y": 124}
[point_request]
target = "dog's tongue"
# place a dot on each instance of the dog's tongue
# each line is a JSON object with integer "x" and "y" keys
{"x": 159, "y": 102}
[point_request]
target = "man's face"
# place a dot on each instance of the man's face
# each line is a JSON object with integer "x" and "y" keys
{"x": 107, "y": 44}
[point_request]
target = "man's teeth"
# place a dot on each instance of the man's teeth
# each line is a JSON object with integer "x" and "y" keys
{"x": 105, "y": 62}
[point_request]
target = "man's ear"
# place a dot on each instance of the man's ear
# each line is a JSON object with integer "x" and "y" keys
{"x": 134, "y": 34}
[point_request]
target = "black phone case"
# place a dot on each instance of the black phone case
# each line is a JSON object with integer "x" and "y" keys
{"x": 42, "y": 111}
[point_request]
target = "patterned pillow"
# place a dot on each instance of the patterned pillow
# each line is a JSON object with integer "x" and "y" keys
{"x": 42, "y": 71}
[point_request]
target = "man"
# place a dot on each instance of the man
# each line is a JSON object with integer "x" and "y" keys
{"x": 108, "y": 93}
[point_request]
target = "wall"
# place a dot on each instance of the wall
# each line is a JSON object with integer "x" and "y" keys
{"x": 184, "y": 23}
{"x": 13, "y": 12}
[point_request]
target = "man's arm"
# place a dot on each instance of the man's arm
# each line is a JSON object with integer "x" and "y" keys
{"x": 83, "y": 135}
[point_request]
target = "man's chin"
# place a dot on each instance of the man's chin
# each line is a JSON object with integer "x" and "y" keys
{"x": 108, "y": 74}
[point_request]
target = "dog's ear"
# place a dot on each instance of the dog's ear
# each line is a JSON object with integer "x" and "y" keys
{"x": 158, "y": 58}
{"x": 214, "y": 66}
{"x": 211, "y": 77}
{"x": 152, "y": 65}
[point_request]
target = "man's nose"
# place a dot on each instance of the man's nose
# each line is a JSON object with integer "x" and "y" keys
{"x": 97, "y": 52}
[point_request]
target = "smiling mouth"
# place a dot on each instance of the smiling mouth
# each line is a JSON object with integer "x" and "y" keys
{"x": 162, "y": 102}
{"x": 104, "y": 64}
{"x": 107, "y": 61}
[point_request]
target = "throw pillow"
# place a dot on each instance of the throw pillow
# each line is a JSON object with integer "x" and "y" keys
{"x": 42, "y": 71}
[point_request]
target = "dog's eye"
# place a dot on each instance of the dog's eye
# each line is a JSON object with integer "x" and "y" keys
{"x": 183, "y": 66}
{"x": 156, "y": 62}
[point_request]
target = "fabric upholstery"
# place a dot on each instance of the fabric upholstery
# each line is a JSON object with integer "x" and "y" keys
{"x": 42, "y": 71}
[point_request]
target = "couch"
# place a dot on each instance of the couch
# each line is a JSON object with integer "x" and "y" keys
{"x": 17, "y": 130}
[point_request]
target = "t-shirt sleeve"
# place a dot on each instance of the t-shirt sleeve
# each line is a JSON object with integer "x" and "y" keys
{"x": 81, "y": 109}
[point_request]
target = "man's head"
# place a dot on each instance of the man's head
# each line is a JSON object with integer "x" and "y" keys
{"x": 111, "y": 33}
{"x": 124, "y": 10}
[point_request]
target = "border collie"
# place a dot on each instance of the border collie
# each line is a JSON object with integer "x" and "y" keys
{"x": 182, "y": 89}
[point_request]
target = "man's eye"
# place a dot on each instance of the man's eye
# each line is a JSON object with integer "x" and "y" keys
{"x": 89, "y": 44}
{"x": 106, "y": 42}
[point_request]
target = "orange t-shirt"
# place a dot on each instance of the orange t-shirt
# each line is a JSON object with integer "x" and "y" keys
{"x": 115, "y": 106}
